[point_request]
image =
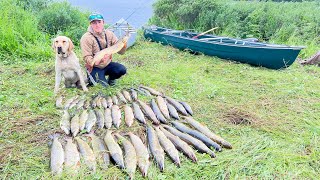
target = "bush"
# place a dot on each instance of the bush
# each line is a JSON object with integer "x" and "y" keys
{"x": 61, "y": 18}
{"x": 20, "y": 37}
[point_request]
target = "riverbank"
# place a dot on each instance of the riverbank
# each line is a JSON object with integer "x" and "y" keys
{"x": 270, "y": 117}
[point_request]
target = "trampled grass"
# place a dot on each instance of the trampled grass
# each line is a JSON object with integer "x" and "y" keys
{"x": 270, "y": 116}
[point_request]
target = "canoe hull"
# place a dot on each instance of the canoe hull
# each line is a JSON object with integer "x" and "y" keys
{"x": 269, "y": 56}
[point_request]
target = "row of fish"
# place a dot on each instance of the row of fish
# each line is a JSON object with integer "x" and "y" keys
{"x": 99, "y": 101}
{"x": 130, "y": 153}
{"x": 160, "y": 110}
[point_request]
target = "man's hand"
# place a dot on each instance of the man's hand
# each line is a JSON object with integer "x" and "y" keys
{"x": 104, "y": 60}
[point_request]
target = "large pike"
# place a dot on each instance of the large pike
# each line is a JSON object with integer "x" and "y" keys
{"x": 173, "y": 111}
{"x": 100, "y": 118}
{"x": 110, "y": 50}
{"x": 75, "y": 127}
{"x": 130, "y": 156}
{"x": 187, "y": 107}
{"x": 116, "y": 116}
{"x": 56, "y": 156}
{"x": 181, "y": 127}
{"x": 168, "y": 147}
{"x": 71, "y": 156}
{"x": 69, "y": 101}
{"x": 83, "y": 119}
{"x": 127, "y": 95}
{"x": 65, "y": 124}
{"x": 107, "y": 118}
{"x": 138, "y": 114}
{"x": 196, "y": 143}
{"x": 92, "y": 119}
{"x": 177, "y": 105}
{"x": 163, "y": 107}
{"x": 114, "y": 149}
{"x": 134, "y": 94}
{"x": 80, "y": 104}
{"x": 142, "y": 154}
{"x": 128, "y": 115}
{"x": 148, "y": 112}
{"x": 155, "y": 147}
{"x": 100, "y": 151}
{"x": 122, "y": 98}
{"x": 151, "y": 90}
{"x": 157, "y": 112}
{"x": 180, "y": 145}
{"x": 87, "y": 154}
{"x": 205, "y": 130}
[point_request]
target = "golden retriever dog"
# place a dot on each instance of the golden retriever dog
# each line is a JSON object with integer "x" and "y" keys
{"x": 67, "y": 64}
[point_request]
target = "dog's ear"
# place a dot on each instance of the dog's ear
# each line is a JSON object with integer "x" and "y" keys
{"x": 71, "y": 46}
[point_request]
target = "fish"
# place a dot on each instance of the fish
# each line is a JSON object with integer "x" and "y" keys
{"x": 134, "y": 94}
{"x": 69, "y": 101}
{"x": 177, "y": 105}
{"x": 56, "y": 156}
{"x": 173, "y": 112}
{"x": 74, "y": 103}
{"x": 187, "y": 107}
{"x": 151, "y": 90}
{"x": 65, "y": 124}
{"x": 94, "y": 102}
{"x": 100, "y": 151}
{"x": 59, "y": 102}
{"x": 86, "y": 104}
{"x": 80, "y": 104}
{"x": 114, "y": 149}
{"x": 207, "y": 141}
{"x": 104, "y": 102}
{"x": 148, "y": 112}
{"x": 196, "y": 143}
{"x": 82, "y": 119}
{"x": 71, "y": 156}
{"x": 75, "y": 127}
{"x": 205, "y": 130}
{"x": 116, "y": 116}
{"x": 110, "y": 50}
{"x": 127, "y": 95}
{"x": 128, "y": 115}
{"x": 130, "y": 155}
{"x": 142, "y": 153}
{"x": 157, "y": 112}
{"x": 138, "y": 114}
{"x": 180, "y": 145}
{"x": 92, "y": 119}
{"x": 100, "y": 118}
{"x": 144, "y": 92}
{"x": 115, "y": 100}
{"x": 163, "y": 107}
{"x": 98, "y": 102}
{"x": 109, "y": 101}
{"x": 155, "y": 148}
{"x": 87, "y": 154}
{"x": 107, "y": 118}
{"x": 121, "y": 98}
{"x": 168, "y": 147}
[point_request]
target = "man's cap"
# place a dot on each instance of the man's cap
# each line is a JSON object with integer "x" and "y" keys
{"x": 95, "y": 16}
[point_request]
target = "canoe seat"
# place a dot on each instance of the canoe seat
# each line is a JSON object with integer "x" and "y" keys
{"x": 210, "y": 39}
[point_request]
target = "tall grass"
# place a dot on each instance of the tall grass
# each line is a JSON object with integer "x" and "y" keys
{"x": 20, "y": 37}
{"x": 293, "y": 23}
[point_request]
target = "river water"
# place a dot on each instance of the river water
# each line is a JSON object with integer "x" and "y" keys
{"x": 136, "y": 12}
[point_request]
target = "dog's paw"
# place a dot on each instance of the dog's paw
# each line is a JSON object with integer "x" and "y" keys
{"x": 85, "y": 89}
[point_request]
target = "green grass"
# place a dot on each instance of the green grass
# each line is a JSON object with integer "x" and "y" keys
{"x": 278, "y": 138}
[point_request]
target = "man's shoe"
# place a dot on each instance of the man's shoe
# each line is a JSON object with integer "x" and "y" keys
{"x": 112, "y": 82}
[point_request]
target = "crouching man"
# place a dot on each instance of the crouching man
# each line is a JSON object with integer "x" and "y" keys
{"x": 93, "y": 41}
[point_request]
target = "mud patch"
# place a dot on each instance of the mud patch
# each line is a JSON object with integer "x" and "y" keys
{"x": 5, "y": 152}
{"x": 239, "y": 117}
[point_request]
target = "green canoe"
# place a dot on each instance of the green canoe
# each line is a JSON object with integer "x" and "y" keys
{"x": 271, "y": 56}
